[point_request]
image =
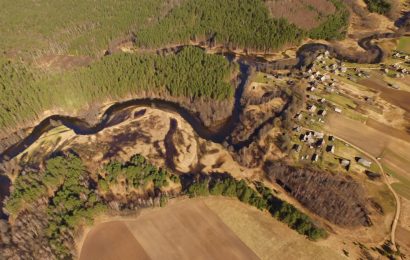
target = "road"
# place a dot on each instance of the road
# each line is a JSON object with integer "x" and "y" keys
{"x": 386, "y": 180}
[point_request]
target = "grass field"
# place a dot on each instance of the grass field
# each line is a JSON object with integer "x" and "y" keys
{"x": 404, "y": 44}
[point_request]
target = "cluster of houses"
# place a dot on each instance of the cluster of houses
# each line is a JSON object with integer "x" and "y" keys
{"x": 361, "y": 73}
{"x": 397, "y": 68}
{"x": 402, "y": 56}
{"x": 315, "y": 140}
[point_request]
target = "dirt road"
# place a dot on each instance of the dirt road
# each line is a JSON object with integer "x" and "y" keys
{"x": 386, "y": 180}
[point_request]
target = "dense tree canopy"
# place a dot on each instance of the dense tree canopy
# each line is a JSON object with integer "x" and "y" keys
{"x": 25, "y": 93}
{"x": 378, "y": 6}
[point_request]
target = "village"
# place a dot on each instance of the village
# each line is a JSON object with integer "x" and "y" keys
{"x": 325, "y": 95}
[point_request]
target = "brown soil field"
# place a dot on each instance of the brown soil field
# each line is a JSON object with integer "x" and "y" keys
{"x": 111, "y": 240}
{"x": 377, "y": 139}
{"x": 302, "y": 13}
{"x": 396, "y": 97}
{"x": 183, "y": 230}
{"x": 365, "y": 137}
{"x": 394, "y": 132}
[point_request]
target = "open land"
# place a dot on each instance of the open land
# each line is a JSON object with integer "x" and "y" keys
{"x": 183, "y": 230}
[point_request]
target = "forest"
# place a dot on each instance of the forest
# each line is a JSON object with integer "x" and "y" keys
{"x": 245, "y": 24}
{"x": 47, "y": 208}
{"x": 26, "y": 93}
{"x": 72, "y": 27}
{"x": 84, "y": 28}
{"x": 335, "y": 26}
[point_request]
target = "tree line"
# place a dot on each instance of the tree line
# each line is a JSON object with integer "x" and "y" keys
{"x": 65, "y": 197}
{"x": 261, "y": 197}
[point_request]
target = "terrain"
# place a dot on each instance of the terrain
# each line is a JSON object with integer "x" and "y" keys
{"x": 203, "y": 123}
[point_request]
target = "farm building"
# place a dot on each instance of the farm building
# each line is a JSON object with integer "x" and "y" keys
{"x": 315, "y": 157}
{"x": 338, "y": 110}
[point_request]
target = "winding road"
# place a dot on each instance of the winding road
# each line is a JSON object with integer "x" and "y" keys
{"x": 386, "y": 181}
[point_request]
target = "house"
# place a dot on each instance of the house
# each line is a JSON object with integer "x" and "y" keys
{"x": 296, "y": 147}
{"x": 322, "y": 112}
{"x": 311, "y": 108}
{"x": 330, "y": 149}
{"x": 318, "y": 135}
{"x": 298, "y": 116}
{"x": 338, "y": 110}
{"x": 315, "y": 157}
{"x": 311, "y": 89}
{"x": 320, "y": 143}
{"x": 364, "y": 162}
{"x": 331, "y": 138}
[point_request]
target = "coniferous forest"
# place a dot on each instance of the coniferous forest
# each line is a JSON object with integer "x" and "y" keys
{"x": 190, "y": 73}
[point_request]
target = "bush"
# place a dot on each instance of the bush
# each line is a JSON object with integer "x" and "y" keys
{"x": 378, "y": 6}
